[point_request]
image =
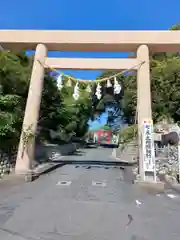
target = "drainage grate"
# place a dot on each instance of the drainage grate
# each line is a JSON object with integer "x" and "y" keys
{"x": 64, "y": 183}
{"x": 99, "y": 183}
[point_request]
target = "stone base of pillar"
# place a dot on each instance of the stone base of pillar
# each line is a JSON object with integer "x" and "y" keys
{"x": 29, "y": 177}
{"x": 150, "y": 177}
{"x": 22, "y": 170}
{"x": 23, "y": 165}
{"x": 154, "y": 187}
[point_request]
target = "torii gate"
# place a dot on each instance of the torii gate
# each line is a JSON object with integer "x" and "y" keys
{"x": 140, "y": 42}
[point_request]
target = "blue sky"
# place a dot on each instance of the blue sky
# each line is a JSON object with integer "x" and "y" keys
{"x": 89, "y": 15}
{"x": 99, "y": 122}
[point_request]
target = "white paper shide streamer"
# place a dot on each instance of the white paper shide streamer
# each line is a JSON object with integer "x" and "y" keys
{"x": 76, "y": 95}
{"x": 60, "y": 82}
{"x": 76, "y": 92}
{"x": 98, "y": 91}
{"x": 117, "y": 86}
{"x": 69, "y": 84}
{"x": 109, "y": 84}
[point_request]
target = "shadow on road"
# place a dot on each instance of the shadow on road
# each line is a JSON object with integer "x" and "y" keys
{"x": 108, "y": 145}
{"x": 89, "y": 146}
{"x": 76, "y": 153}
{"x": 92, "y": 162}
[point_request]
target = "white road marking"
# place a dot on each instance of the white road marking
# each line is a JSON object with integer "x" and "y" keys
{"x": 99, "y": 183}
{"x": 171, "y": 196}
{"x": 64, "y": 183}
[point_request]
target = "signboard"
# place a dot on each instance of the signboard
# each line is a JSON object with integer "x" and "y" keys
{"x": 148, "y": 146}
{"x": 179, "y": 159}
{"x": 115, "y": 139}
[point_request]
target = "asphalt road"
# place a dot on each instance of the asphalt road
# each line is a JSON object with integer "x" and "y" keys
{"x": 86, "y": 202}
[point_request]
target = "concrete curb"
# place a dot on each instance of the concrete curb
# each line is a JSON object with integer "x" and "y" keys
{"x": 52, "y": 165}
{"x": 41, "y": 169}
{"x": 127, "y": 162}
{"x": 123, "y": 161}
{"x": 46, "y": 168}
{"x": 157, "y": 187}
{"x": 169, "y": 185}
{"x": 96, "y": 162}
{"x": 31, "y": 175}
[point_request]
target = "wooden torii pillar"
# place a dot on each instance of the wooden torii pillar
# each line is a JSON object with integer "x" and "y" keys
{"x": 25, "y": 153}
{"x": 144, "y": 109}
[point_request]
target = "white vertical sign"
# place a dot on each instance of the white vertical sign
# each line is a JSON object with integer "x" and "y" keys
{"x": 114, "y": 139}
{"x": 148, "y": 147}
{"x": 179, "y": 159}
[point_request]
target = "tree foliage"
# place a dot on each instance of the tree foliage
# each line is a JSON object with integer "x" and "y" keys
{"x": 108, "y": 99}
{"x": 58, "y": 112}
{"x": 165, "y": 88}
{"x": 165, "y": 92}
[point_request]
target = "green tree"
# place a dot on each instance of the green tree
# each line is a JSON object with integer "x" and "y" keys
{"x": 165, "y": 88}
{"x": 14, "y": 78}
{"x": 58, "y": 112}
{"x": 77, "y": 112}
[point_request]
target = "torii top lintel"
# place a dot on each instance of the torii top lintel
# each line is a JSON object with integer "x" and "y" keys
{"x": 91, "y": 41}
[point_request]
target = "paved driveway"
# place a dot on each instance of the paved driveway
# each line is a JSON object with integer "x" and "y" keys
{"x": 86, "y": 202}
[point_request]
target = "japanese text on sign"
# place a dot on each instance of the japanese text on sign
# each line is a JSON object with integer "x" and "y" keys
{"x": 148, "y": 146}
